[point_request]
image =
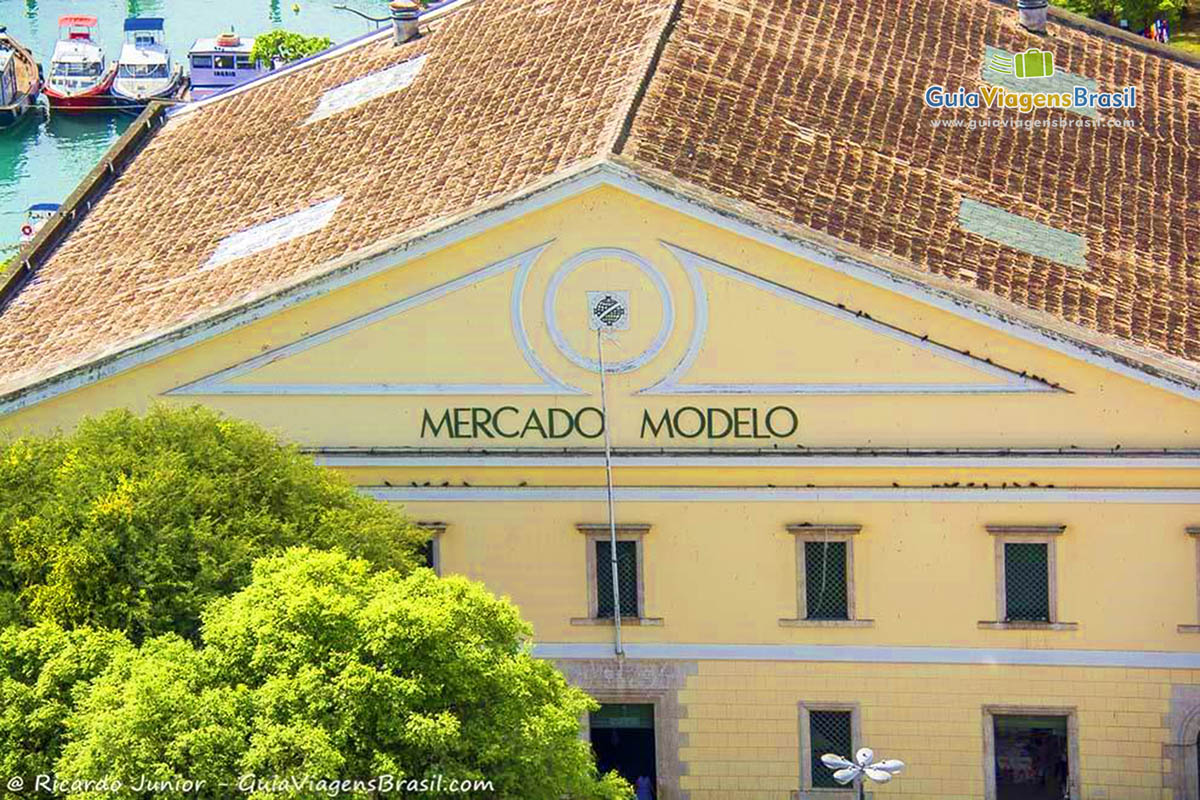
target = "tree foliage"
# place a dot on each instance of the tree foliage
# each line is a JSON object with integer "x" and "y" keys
{"x": 1139, "y": 13}
{"x": 43, "y": 671}
{"x": 190, "y": 599}
{"x": 324, "y": 669}
{"x": 134, "y": 523}
{"x": 286, "y": 46}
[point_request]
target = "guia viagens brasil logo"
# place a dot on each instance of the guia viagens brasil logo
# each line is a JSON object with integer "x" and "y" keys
{"x": 1043, "y": 91}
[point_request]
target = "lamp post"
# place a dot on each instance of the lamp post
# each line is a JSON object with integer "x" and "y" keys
{"x": 846, "y": 771}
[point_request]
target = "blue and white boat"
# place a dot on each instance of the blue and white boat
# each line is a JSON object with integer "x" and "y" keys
{"x": 36, "y": 216}
{"x": 145, "y": 70}
{"x": 222, "y": 62}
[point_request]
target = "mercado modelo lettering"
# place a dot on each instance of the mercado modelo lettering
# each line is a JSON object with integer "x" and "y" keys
{"x": 510, "y": 422}
{"x": 687, "y": 422}
{"x": 690, "y": 422}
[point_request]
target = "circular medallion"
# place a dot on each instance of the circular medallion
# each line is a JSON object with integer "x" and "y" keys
{"x": 550, "y": 307}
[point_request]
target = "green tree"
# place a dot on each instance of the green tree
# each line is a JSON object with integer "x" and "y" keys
{"x": 42, "y": 672}
{"x": 134, "y": 523}
{"x": 1089, "y": 8}
{"x": 324, "y": 669}
{"x": 1139, "y": 13}
{"x": 286, "y": 46}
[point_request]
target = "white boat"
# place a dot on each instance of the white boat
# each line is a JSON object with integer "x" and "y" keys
{"x": 145, "y": 70}
{"x": 37, "y": 216}
{"x": 80, "y": 75}
{"x": 221, "y": 62}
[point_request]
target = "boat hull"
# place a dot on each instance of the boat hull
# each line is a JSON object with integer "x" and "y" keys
{"x": 97, "y": 96}
{"x": 12, "y": 114}
{"x": 170, "y": 90}
{"x": 29, "y": 80}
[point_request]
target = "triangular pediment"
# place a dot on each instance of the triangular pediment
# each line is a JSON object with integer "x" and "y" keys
{"x": 700, "y": 327}
{"x": 498, "y": 320}
{"x": 806, "y": 344}
{"x": 401, "y": 348}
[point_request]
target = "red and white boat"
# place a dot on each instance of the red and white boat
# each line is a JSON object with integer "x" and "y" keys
{"x": 80, "y": 76}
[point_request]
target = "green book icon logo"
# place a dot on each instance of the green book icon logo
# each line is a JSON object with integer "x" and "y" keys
{"x": 1030, "y": 64}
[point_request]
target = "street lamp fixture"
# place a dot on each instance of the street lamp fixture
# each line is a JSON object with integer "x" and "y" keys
{"x": 847, "y": 771}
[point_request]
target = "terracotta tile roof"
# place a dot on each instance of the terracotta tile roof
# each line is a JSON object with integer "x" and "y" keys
{"x": 510, "y": 93}
{"x": 813, "y": 111}
{"x": 804, "y": 110}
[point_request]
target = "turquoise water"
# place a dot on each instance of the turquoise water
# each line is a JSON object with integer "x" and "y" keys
{"x": 43, "y": 159}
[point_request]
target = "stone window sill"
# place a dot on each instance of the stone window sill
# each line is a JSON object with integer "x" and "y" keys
{"x": 827, "y": 794}
{"x": 1027, "y": 625}
{"x": 1189, "y": 629}
{"x": 609, "y": 621}
{"x": 826, "y": 623}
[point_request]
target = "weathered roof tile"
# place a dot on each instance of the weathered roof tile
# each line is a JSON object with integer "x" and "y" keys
{"x": 803, "y": 110}
{"x": 812, "y": 111}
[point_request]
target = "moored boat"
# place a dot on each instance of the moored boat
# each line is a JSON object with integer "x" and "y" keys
{"x": 222, "y": 62}
{"x": 80, "y": 75}
{"x": 20, "y": 80}
{"x": 36, "y": 216}
{"x": 145, "y": 70}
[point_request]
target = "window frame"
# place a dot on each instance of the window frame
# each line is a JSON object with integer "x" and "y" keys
{"x": 807, "y": 790}
{"x": 1026, "y": 534}
{"x": 990, "y": 712}
{"x": 436, "y": 531}
{"x": 626, "y": 532}
{"x": 1021, "y": 607}
{"x": 603, "y": 574}
{"x": 1194, "y": 532}
{"x": 803, "y": 533}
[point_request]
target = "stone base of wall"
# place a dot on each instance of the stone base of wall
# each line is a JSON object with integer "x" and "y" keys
{"x": 730, "y": 729}
{"x": 645, "y": 681}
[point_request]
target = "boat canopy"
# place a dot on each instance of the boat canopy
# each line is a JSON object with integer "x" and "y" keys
{"x": 77, "y": 20}
{"x": 76, "y": 52}
{"x": 141, "y": 57}
{"x": 144, "y": 24}
{"x": 210, "y": 46}
{"x": 43, "y": 207}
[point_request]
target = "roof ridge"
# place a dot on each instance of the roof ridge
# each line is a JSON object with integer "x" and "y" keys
{"x": 1147, "y": 360}
{"x": 639, "y": 94}
{"x": 1103, "y": 30}
{"x": 86, "y": 194}
{"x": 333, "y": 51}
{"x": 275, "y": 74}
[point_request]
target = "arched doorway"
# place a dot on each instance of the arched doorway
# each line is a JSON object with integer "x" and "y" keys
{"x": 1182, "y": 748}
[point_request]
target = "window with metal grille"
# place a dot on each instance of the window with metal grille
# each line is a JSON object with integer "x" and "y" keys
{"x": 1027, "y": 581}
{"x": 825, "y": 580}
{"x": 828, "y": 732}
{"x": 626, "y": 578}
{"x": 427, "y": 553}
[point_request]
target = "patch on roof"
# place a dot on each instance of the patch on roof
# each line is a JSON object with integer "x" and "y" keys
{"x": 273, "y": 233}
{"x": 1058, "y": 82}
{"x": 1019, "y": 233}
{"x": 367, "y": 88}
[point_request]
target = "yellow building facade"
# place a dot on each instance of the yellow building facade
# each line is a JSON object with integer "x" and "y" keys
{"x": 849, "y": 510}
